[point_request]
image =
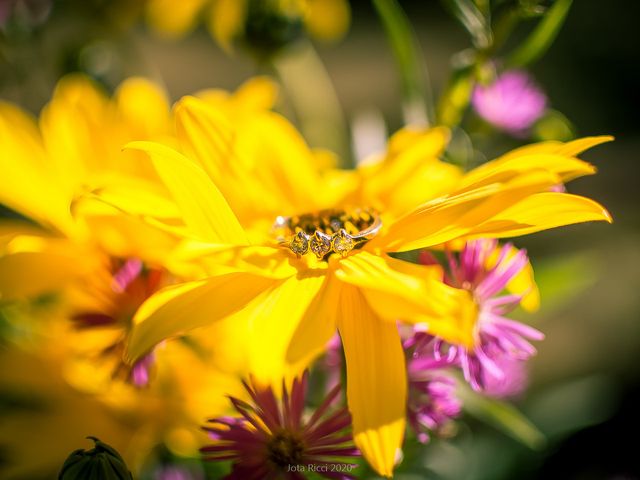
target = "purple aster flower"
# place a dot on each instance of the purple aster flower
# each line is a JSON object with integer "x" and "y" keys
{"x": 514, "y": 381}
{"x": 498, "y": 339}
{"x": 272, "y": 439}
{"x": 432, "y": 400}
{"x": 513, "y": 102}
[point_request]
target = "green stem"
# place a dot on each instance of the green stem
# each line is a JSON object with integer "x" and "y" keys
{"x": 314, "y": 99}
{"x": 406, "y": 50}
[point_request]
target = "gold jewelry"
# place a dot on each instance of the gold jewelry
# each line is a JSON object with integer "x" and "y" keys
{"x": 327, "y": 231}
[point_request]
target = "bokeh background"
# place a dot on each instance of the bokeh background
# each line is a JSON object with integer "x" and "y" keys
{"x": 585, "y": 382}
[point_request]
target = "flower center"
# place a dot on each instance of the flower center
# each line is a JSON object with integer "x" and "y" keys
{"x": 285, "y": 449}
{"x": 327, "y": 231}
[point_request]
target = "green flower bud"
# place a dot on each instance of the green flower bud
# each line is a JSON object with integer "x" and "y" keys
{"x": 102, "y": 462}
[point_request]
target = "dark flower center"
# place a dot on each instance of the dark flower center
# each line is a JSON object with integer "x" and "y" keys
{"x": 285, "y": 449}
{"x": 331, "y": 221}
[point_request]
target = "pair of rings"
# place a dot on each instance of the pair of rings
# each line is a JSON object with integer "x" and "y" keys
{"x": 327, "y": 231}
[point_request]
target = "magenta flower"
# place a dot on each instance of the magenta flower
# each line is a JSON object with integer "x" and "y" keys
{"x": 494, "y": 364}
{"x": 514, "y": 381}
{"x": 513, "y": 102}
{"x": 498, "y": 338}
{"x": 271, "y": 439}
{"x": 432, "y": 402}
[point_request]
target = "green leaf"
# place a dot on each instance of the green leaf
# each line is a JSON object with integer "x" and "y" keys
{"x": 470, "y": 15}
{"x": 501, "y": 415}
{"x": 539, "y": 41}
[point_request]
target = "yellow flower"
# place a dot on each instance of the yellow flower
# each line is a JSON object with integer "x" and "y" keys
{"x": 134, "y": 421}
{"x": 294, "y": 304}
{"x": 102, "y": 265}
{"x": 264, "y": 24}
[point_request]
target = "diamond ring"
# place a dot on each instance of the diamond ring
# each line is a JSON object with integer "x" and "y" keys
{"x": 327, "y": 231}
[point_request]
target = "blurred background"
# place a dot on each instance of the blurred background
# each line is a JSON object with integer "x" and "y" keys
{"x": 585, "y": 382}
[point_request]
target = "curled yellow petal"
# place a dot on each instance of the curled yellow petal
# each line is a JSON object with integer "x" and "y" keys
{"x": 376, "y": 380}
{"x": 273, "y": 320}
{"x": 450, "y": 217}
{"x": 399, "y": 290}
{"x": 178, "y": 309}
{"x": 567, "y": 168}
{"x": 316, "y": 326}
{"x": 542, "y": 211}
{"x": 568, "y": 149}
{"x": 204, "y": 210}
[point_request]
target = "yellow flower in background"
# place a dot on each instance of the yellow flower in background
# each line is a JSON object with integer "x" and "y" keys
{"x": 263, "y": 24}
{"x": 136, "y": 422}
{"x": 101, "y": 265}
{"x": 294, "y": 300}
{"x": 77, "y": 250}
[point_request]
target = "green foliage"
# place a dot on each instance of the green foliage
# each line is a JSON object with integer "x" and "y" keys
{"x": 474, "y": 17}
{"x": 503, "y": 416}
{"x": 539, "y": 41}
{"x": 407, "y": 53}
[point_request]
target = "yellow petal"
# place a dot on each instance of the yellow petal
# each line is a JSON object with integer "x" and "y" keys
{"x": 204, "y": 210}
{"x": 453, "y": 216}
{"x": 500, "y": 170}
{"x": 257, "y": 93}
{"x": 214, "y": 259}
{"x": 28, "y": 182}
{"x": 274, "y": 317}
{"x": 569, "y": 149}
{"x": 316, "y": 326}
{"x": 177, "y": 309}
{"x": 76, "y": 131}
{"x": 399, "y": 290}
{"x": 327, "y": 19}
{"x": 576, "y": 147}
{"x": 411, "y": 175}
{"x": 36, "y": 265}
{"x": 205, "y": 135}
{"x": 134, "y": 195}
{"x": 542, "y": 211}
{"x": 209, "y": 138}
{"x": 173, "y": 18}
{"x": 283, "y": 162}
{"x": 226, "y": 20}
{"x": 376, "y": 380}
{"x": 143, "y": 106}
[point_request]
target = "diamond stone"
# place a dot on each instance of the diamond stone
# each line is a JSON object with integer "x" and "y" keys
{"x": 299, "y": 243}
{"x": 320, "y": 244}
{"x": 342, "y": 242}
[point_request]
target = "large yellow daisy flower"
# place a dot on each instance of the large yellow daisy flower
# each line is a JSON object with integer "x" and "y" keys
{"x": 293, "y": 300}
